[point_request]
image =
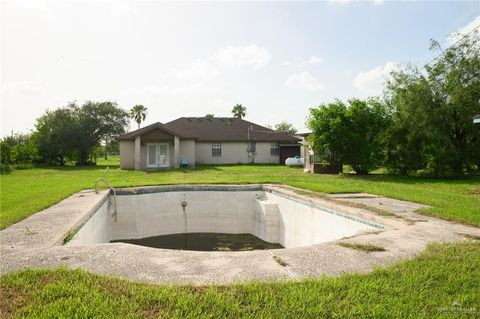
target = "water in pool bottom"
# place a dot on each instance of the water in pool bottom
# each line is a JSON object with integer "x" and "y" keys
{"x": 204, "y": 242}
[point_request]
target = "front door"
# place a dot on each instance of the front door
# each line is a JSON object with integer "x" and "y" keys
{"x": 157, "y": 155}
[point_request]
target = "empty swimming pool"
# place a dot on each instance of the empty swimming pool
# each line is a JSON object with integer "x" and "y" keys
{"x": 215, "y": 217}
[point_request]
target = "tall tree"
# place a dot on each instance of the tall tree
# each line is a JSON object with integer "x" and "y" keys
{"x": 138, "y": 113}
{"x": 74, "y": 132}
{"x": 239, "y": 111}
{"x": 329, "y": 132}
{"x": 349, "y": 133}
{"x": 433, "y": 125}
{"x": 57, "y": 135}
{"x": 104, "y": 121}
{"x": 285, "y": 127}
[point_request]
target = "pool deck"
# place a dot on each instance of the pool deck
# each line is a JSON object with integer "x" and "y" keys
{"x": 36, "y": 242}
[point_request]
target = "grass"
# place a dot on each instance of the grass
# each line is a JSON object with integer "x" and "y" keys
{"x": 362, "y": 247}
{"x": 24, "y": 192}
{"x": 442, "y": 282}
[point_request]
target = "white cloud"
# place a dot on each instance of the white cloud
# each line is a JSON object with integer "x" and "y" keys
{"x": 286, "y": 63}
{"x": 31, "y": 4}
{"x": 120, "y": 8}
{"x": 304, "y": 81}
{"x": 197, "y": 70}
{"x": 22, "y": 102}
{"x": 372, "y": 82}
{"x": 339, "y": 2}
{"x": 455, "y": 36}
{"x": 224, "y": 58}
{"x": 344, "y": 2}
{"x": 153, "y": 92}
{"x": 23, "y": 88}
{"x": 237, "y": 57}
{"x": 312, "y": 60}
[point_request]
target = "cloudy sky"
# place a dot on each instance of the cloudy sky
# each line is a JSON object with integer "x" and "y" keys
{"x": 193, "y": 58}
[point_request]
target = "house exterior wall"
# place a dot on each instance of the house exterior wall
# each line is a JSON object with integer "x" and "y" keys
{"x": 187, "y": 151}
{"x": 234, "y": 153}
{"x": 263, "y": 154}
{"x": 198, "y": 153}
{"x": 127, "y": 154}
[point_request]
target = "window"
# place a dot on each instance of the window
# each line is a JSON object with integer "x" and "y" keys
{"x": 274, "y": 149}
{"x": 216, "y": 149}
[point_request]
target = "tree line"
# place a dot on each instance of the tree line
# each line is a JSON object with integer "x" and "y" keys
{"x": 74, "y": 133}
{"x": 79, "y": 134}
{"x": 423, "y": 122}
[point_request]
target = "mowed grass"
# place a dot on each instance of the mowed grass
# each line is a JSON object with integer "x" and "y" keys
{"x": 442, "y": 282}
{"x": 24, "y": 192}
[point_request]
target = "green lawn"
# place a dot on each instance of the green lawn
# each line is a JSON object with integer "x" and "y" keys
{"x": 443, "y": 282}
{"x": 24, "y": 192}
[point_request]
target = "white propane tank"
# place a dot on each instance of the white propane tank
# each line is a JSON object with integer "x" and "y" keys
{"x": 294, "y": 161}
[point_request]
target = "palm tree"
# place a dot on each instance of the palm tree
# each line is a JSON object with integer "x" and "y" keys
{"x": 138, "y": 113}
{"x": 239, "y": 111}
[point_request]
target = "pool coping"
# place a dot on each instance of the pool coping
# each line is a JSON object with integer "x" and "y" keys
{"x": 36, "y": 242}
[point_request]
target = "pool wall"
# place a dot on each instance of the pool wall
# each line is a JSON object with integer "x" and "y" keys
{"x": 302, "y": 224}
{"x": 96, "y": 229}
{"x": 270, "y": 216}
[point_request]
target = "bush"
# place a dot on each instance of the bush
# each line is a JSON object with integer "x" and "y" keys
{"x": 5, "y": 169}
{"x": 349, "y": 133}
{"x": 19, "y": 149}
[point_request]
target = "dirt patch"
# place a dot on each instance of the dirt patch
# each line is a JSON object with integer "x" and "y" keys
{"x": 362, "y": 247}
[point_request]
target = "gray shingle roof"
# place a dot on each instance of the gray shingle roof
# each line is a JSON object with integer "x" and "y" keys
{"x": 216, "y": 129}
{"x": 131, "y": 135}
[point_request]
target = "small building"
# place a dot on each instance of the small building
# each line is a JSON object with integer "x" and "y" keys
{"x": 204, "y": 140}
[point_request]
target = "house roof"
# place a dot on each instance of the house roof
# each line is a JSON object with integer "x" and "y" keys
{"x": 216, "y": 129}
{"x": 131, "y": 135}
{"x": 306, "y": 134}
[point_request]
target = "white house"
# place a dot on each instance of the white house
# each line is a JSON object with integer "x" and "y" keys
{"x": 204, "y": 140}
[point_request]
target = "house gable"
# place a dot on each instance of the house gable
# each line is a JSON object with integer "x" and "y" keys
{"x": 156, "y": 134}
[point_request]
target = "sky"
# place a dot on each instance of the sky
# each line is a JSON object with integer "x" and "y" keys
{"x": 278, "y": 59}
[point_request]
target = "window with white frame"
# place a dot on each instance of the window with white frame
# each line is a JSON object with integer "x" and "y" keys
{"x": 216, "y": 149}
{"x": 274, "y": 149}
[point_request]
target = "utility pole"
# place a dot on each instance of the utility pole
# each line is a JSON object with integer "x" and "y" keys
{"x": 250, "y": 152}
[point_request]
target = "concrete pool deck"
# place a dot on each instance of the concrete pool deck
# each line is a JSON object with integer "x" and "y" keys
{"x": 36, "y": 242}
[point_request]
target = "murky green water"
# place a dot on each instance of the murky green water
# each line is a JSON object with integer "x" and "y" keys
{"x": 204, "y": 242}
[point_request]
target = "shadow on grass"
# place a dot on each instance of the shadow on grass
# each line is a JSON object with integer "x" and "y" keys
{"x": 80, "y": 168}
